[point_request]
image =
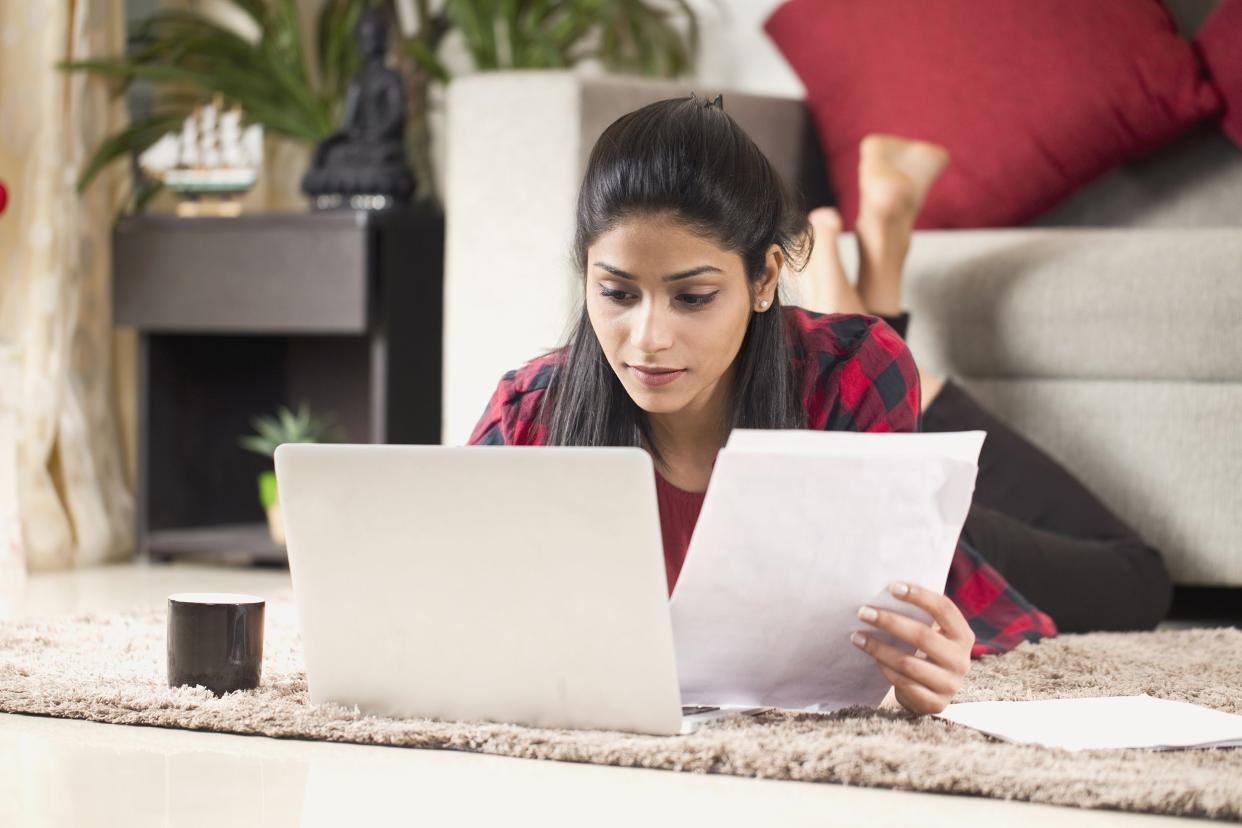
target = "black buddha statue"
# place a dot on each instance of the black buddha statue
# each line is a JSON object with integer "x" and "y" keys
{"x": 363, "y": 164}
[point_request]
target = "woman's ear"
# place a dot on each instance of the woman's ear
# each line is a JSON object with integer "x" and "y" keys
{"x": 765, "y": 291}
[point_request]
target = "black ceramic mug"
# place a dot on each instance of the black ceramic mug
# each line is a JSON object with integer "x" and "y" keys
{"x": 215, "y": 639}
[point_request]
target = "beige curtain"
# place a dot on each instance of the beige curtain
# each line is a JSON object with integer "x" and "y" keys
{"x": 73, "y": 503}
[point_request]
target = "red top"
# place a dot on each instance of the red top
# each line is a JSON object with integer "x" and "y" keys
{"x": 679, "y": 512}
{"x": 856, "y": 374}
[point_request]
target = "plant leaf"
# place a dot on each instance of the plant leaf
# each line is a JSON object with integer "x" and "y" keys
{"x": 268, "y": 428}
{"x": 257, "y": 445}
{"x": 338, "y": 57}
{"x": 256, "y": 10}
{"x": 132, "y": 140}
{"x": 148, "y": 190}
{"x": 427, "y": 59}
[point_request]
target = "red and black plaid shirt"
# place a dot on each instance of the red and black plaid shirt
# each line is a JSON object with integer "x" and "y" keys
{"x": 856, "y": 375}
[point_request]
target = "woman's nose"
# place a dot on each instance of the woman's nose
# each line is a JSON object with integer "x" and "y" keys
{"x": 652, "y": 329}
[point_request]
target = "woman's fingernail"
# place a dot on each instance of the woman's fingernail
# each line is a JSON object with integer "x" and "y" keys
{"x": 900, "y": 589}
{"x": 867, "y": 614}
{"x": 859, "y": 639}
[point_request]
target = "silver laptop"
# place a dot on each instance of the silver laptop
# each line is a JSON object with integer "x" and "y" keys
{"x": 501, "y": 583}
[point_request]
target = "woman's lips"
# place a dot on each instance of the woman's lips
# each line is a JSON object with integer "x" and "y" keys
{"x": 654, "y": 378}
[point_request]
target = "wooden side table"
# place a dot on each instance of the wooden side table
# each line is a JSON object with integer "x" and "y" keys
{"x": 237, "y": 316}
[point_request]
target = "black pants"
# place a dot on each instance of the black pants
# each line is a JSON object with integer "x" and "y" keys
{"x": 1051, "y": 538}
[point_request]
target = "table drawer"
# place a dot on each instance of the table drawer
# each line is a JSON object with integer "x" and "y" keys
{"x": 269, "y": 273}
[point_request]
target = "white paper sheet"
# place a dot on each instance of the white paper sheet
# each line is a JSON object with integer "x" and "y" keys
{"x": 798, "y": 530}
{"x": 1103, "y": 722}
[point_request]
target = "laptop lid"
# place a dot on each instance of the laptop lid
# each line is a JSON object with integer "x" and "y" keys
{"x": 506, "y": 583}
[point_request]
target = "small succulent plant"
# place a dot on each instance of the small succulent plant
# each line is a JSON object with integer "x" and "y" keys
{"x": 288, "y": 427}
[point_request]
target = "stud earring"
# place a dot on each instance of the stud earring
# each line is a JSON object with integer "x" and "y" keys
{"x": 763, "y": 303}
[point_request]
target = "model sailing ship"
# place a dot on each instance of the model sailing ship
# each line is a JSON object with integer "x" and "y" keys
{"x": 210, "y": 164}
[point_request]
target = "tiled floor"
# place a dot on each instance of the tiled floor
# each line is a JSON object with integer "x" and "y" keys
{"x": 56, "y": 772}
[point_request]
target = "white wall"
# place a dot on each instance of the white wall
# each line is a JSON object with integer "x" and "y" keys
{"x": 737, "y": 54}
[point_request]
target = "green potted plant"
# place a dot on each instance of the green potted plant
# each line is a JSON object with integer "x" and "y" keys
{"x": 270, "y": 432}
{"x": 296, "y": 90}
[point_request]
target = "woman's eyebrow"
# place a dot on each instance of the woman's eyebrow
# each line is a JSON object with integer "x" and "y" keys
{"x": 672, "y": 277}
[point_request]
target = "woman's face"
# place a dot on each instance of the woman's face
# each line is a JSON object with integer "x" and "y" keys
{"x": 664, "y": 299}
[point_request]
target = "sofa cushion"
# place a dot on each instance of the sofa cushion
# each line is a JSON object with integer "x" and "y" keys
{"x": 1032, "y": 100}
{"x": 1077, "y": 304}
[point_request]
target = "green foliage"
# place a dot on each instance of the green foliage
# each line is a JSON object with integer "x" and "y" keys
{"x": 632, "y": 36}
{"x": 196, "y": 58}
{"x": 287, "y": 427}
{"x": 298, "y": 94}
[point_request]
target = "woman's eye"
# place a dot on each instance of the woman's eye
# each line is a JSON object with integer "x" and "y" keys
{"x": 698, "y": 299}
{"x": 615, "y": 295}
{"x": 694, "y": 300}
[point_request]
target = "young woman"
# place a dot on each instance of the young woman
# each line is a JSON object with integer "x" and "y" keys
{"x": 683, "y": 228}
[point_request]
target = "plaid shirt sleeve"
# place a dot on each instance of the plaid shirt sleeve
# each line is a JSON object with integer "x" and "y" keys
{"x": 860, "y": 376}
{"x": 495, "y": 427}
{"x": 857, "y": 374}
{"x": 510, "y": 418}
{"x": 1000, "y": 616}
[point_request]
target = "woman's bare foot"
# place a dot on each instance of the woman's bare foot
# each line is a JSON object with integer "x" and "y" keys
{"x": 894, "y": 176}
{"x": 929, "y": 386}
{"x": 822, "y": 285}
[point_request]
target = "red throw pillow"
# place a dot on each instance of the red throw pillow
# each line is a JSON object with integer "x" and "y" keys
{"x": 1220, "y": 42}
{"x": 1032, "y": 99}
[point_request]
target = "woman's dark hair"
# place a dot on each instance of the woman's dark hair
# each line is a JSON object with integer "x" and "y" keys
{"x": 686, "y": 159}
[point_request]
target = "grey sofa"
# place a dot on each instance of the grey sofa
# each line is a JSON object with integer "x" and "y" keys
{"x": 1109, "y": 332}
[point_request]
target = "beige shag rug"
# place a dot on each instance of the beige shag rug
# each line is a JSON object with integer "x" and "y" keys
{"x": 110, "y": 667}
